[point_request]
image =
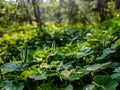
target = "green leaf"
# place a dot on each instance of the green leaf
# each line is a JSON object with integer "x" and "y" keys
{"x": 10, "y": 67}
{"x": 85, "y": 49}
{"x": 26, "y": 74}
{"x": 114, "y": 64}
{"x": 37, "y": 77}
{"x": 69, "y": 87}
{"x": 102, "y": 79}
{"x": 67, "y": 66}
{"x": 111, "y": 86}
{"x": 107, "y": 52}
{"x": 90, "y": 87}
{"x": 73, "y": 78}
{"x": 106, "y": 23}
{"x": 9, "y": 85}
{"x": 66, "y": 73}
{"x": 55, "y": 64}
{"x": 82, "y": 54}
{"x": 6, "y": 37}
{"x": 105, "y": 82}
{"x": 117, "y": 69}
{"x": 116, "y": 76}
{"x": 45, "y": 65}
{"x": 95, "y": 67}
{"x": 52, "y": 73}
{"x": 81, "y": 72}
{"x": 117, "y": 42}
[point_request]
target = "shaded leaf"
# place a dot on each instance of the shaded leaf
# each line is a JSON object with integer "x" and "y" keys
{"x": 9, "y": 85}
{"x": 111, "y": 86}
{"x": 52, "y": 73}
{"x": 102, "y": 80}
{"x": 73, "y": 78}
{"x": 116, "y": 76}
{"x": 69, "y": 87}
{"x": 117, "y": 69}
{"x": 107, "y": 52}
{"x": 105, "y": 82}
{"x": 10, "y": 67}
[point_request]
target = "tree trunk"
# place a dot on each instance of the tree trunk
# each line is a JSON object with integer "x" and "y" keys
{"x": 28, "y": 11}
{"x": 37, "y": 13}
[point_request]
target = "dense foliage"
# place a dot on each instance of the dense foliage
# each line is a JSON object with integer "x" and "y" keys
{"x": 64, "y": 55}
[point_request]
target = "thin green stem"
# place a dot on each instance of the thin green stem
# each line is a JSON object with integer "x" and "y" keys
{"x": 66, "y": 83}
{"x": 1, "y": 76}
{"x": 26, "y": 54}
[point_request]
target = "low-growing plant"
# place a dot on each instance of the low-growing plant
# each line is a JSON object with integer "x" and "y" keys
{"x": 69, "y": 59}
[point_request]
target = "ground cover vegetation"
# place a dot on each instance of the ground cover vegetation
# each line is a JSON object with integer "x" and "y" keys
{"x": 59, "y": 45}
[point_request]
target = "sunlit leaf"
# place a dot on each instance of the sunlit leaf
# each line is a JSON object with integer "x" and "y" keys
{"x": 81, "y": 72}
{"x": 95, "y": 67}
{"x": 25, "y": 74}
{"x": 81, "y": 54}
{"x": 117, "y": 42}
{"x": 45, "y": 65}
{"x": 55, "y": 64}
{"x": 37, "y": 77}
{"x": 90, "y": 87}
{"x": 66, "y": 73}
{"x": 85, "y": 49}
{"x": 6, "y": 37}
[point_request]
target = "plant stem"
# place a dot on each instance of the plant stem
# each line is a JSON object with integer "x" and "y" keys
{"x": 81, "y": 82}
{"x": 26, "y": 54}
{"x": 66, "y": 83}
{"x": 1, "y": 76}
